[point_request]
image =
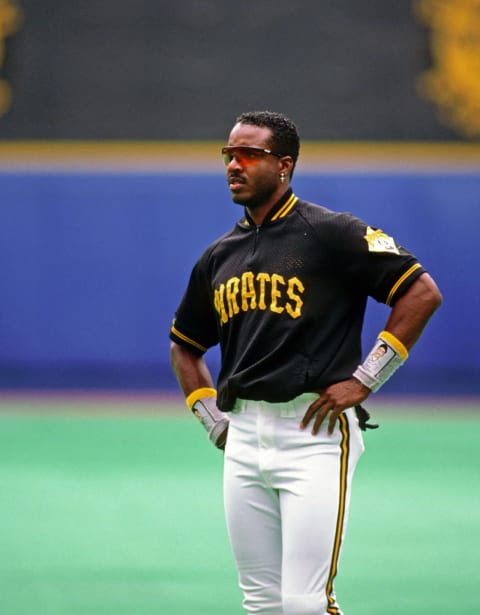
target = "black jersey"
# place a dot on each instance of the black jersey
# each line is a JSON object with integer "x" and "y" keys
{"x": 286, "y": 300}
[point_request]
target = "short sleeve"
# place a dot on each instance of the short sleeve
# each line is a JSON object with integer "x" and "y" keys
{"x": 195, "y": 323}
{"x": 381, "y": 267}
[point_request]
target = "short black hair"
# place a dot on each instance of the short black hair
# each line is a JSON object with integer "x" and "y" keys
{"x": 285, "y": 139}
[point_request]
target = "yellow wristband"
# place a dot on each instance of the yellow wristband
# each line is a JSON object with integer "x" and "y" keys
{"x": 198, "y": 394}
{"x": 395, "y": 343}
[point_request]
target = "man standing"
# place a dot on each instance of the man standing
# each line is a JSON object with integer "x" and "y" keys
{"x": 284, "y": 294}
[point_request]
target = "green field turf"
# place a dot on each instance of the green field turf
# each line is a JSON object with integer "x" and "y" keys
{"x": 108, "y": 510}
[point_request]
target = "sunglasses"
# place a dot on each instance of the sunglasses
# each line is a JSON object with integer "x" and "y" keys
{"x": 245, "y": 154}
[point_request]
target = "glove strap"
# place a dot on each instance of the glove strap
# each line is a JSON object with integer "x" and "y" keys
{"x": 386, "y": 356}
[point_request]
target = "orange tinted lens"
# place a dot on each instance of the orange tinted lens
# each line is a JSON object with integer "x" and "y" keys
{"x": 243, "y": 155}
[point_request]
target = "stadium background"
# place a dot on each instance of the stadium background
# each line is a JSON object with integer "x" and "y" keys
{"x": 112, "y": 116}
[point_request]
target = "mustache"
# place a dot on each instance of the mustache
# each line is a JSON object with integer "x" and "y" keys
{"x": 236, "y": 177}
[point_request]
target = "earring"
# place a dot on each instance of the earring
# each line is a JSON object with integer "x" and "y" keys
{"x": 282, "y": 177}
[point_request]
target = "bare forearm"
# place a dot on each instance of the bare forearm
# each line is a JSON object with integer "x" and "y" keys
{"x": 411, "y": 313}
{"x": 191, "y": 372}
{"x": 408, "y": 318}
{"x": 195, "y": 379}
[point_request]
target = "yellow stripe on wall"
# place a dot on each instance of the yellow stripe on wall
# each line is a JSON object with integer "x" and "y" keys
{"x": 204, "y": 156}
{"x": 111, "y": 155}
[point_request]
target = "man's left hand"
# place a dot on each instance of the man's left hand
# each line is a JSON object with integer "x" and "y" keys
{"x": 334, "y": 399}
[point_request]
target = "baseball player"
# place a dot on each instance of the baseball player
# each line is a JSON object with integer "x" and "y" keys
{"x": 284, "y": 294}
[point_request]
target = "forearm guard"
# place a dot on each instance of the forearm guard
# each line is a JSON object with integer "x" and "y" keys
{"x": 387, "y": 355}
{"x": 202, "y": 402}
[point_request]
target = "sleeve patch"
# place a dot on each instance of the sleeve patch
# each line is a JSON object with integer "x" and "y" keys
{"x": 378, "y": 241}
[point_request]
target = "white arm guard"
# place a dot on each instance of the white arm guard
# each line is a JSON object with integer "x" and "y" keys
{"x": 202, "y": 403}
{"x": 387, "y": 355}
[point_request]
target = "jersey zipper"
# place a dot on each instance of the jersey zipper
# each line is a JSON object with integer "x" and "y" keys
{"x": 255, "y": 243}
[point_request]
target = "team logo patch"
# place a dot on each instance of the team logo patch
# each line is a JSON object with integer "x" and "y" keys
{"x": 453, "y": 82}
{"x": 378, "y": 241}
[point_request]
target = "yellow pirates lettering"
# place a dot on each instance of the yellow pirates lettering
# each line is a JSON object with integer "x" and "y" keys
{"x": 263, "y": 278}
{"x": 276, "y": 293}
{"x": 219, "y": 303}
{"x": 294, "y": 284}
{"x": 263, "y": 291}
{"x": 249, "y": 295}
{"x": 232, "y": 288}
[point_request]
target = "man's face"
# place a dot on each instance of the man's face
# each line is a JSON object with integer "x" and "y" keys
{"x": 252, "y": 175}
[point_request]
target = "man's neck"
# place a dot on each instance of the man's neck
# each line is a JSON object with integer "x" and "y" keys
{"x": 258, "y": 213}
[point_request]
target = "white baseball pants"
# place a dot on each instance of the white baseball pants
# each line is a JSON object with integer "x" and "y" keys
{"x": 286, "y": 501}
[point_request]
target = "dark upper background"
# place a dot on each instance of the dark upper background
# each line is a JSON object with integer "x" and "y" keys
{"x": 183, "y": 69}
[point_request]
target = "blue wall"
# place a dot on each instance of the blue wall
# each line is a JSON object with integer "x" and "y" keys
{"x": 93, "y": 265}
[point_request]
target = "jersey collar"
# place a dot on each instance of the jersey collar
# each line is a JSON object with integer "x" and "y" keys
{"x": 279, "y": 210}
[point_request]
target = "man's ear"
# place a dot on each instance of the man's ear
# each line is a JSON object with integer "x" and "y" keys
{"x": 285, "y": 164}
